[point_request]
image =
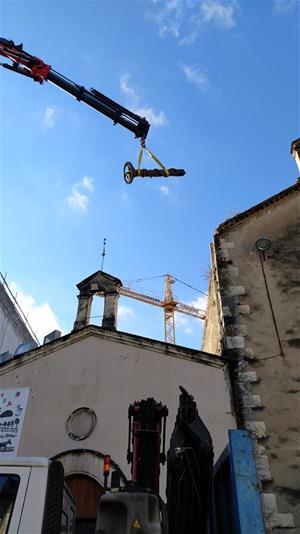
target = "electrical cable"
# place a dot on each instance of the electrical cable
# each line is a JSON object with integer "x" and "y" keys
{"x": 174, "y": 277}
{"x": 142, "y": 279}
{"x": 188, "y": 285}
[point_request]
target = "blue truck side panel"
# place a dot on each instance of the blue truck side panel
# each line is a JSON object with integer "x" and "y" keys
{"x": 245, "y": 483}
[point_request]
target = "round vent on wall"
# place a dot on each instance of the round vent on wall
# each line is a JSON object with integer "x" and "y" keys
{"x": 81, "y": 423}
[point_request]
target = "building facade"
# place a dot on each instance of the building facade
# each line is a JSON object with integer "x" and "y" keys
{"x": 82, "y": 384}
{"x": 253, "y": 317}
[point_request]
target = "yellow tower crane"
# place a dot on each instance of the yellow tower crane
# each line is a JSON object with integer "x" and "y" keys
{"x": 169, "y": 304}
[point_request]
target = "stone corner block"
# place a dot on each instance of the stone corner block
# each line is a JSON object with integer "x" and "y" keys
{"x": 252, "y": 401}
{"x": 269, "y": 502}
{"x": 243, "y": 308}
{"x": 249, "y": 354}
{"x": 288, "y": 530}
{"x": 248, "y": 376}
{"x": 263, "y": 468}
{"x": 236, "y": 290}
{"x": 235, "y": 342}
{"x": 274, "y": 520}
{"x": 232, "y": 271}
{"x": 227, "y": 244}
{"x": 258, "y": 429}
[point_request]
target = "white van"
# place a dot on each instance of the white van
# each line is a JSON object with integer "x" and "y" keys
{"x": 34, "y": 498}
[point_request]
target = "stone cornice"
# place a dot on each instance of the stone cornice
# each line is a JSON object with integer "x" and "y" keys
{"x": 115, "y": 337}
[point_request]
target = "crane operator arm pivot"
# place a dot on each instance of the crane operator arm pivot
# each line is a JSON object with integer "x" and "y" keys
{"x": 33, "y": 67}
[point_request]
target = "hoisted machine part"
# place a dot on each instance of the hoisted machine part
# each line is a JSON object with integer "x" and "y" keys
{"x": 130, "y": 173}
{"x": 34, "y": 68}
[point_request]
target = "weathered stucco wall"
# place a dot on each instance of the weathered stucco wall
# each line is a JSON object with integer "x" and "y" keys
{"x": 106, "y": 371}
{"x": 261, "y": 313}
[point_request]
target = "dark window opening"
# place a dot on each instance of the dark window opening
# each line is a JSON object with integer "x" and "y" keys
{"x": 8, "y": 492}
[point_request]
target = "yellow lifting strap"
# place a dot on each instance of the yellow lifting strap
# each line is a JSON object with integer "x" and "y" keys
{"x": 151, "y": 156}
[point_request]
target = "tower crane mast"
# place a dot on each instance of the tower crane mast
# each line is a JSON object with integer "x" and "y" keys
{"x": 169, "y": 305}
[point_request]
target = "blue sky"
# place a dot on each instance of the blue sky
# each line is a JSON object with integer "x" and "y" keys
{"x": 219, "y": 83}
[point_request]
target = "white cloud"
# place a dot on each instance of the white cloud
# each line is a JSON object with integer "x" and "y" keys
{"x": 184, "y": 19}
{"x": 284, "y": 6}
{"x": 164, "y": 189}
{"x": 168, "y": 18}
{"x": 199, "y": 302}
{"x": 194, "y": 74}
{"x": 50, "y": 116}
{"x": 87, "y": 183}
{"x": 189, "y": 330}
{"x": 219, "y": 12}
{"x": 188, "y": 324}
{"x": 125, "y": 312}
{"x": 77, "y": 199}
{"x": 180, "y": 319}
{"x": 155, "y": 119}
{"x": 40, "y": 316}
{"x": 128, "y": 91}
{"x": 133, "y": 101}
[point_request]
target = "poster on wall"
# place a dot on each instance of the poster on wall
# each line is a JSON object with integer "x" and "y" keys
{"x": 13, "y": 404}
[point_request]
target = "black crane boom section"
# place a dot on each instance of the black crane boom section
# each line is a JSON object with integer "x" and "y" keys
{"x": 114, "y": 111}
{"x": 33, "y": 67}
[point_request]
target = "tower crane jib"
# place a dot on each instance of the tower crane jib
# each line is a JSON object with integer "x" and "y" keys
{"x": 169, "y": 305}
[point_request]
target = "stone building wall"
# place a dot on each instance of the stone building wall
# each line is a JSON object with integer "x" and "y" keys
{"x": 258, "y": 319}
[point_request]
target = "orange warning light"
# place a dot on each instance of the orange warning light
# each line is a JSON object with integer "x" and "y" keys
{"x": 106, "y": 465}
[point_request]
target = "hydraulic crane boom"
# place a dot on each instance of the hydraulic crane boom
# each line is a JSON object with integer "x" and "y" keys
{"x": 33, "y": 67}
